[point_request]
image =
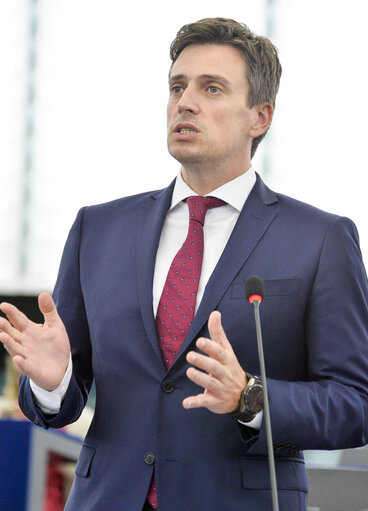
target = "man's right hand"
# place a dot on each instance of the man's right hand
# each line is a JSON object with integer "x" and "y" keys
{"x": 40, "y": 351}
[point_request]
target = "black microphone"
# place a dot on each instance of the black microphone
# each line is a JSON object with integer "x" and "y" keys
{"x": 254, "y": 291}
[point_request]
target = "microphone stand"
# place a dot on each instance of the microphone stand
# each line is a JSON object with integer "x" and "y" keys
{"x": 271, "y": 459}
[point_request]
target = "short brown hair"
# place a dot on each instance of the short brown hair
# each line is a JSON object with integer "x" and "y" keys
{"x": 263, "y": 65}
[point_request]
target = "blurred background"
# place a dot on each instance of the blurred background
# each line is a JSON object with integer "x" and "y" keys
{"x": 83, "y": 114}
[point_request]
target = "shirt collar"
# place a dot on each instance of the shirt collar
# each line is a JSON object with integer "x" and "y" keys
{"x": 235, "y": 192}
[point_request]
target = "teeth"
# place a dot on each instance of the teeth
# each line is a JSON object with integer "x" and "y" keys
{"x": 187, "y": 130}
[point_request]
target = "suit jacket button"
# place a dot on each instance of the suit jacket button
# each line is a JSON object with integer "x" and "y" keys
{"x": 149, "y": 458}
{"x": 168, "y": 386}
{"x": 37, "y": 421}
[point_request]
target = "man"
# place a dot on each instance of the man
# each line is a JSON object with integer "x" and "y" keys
{"x": 175, "y": 424}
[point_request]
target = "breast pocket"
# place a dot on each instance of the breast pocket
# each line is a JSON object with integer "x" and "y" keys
{"x": 276, "y": 287}
{"x": 85, "y": 461}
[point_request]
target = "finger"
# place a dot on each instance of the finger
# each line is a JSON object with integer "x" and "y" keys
{"x": 199, "y": 401}
{"x": 204, "y": 380}
{"x": 205, "y": 363}
{"x": 11, "y": 346}
{"x": 48, "y": 309}
{"x": 216, "y": 331}
{"x": 21, "y": 363}
{"x": 213, "y": 349}
{"x": 6, "y": 327}
{"x": 15, "y": 316}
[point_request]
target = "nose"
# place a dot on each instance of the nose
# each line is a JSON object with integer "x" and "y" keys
{"x": 188, "y": 101}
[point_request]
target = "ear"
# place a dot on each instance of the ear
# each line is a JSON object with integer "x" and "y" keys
{"x": 263, "y": 113}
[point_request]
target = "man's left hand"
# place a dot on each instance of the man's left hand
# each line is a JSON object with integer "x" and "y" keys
{"x": 219, "y": 373}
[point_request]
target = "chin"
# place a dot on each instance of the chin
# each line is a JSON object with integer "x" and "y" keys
{"x": 184, "y": 155}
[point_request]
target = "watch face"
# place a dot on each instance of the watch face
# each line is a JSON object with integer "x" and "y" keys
{"x": 254, "y": 399}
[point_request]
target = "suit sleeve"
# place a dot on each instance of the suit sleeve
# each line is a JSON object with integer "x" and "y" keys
{"x": 330, "y": 411}
{"x": 69, "y": 301}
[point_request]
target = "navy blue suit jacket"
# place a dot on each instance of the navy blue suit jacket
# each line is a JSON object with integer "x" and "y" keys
{"x": 315, "y": 331}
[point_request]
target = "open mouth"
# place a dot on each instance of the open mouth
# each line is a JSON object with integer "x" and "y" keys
{"x": 185, "y": 128}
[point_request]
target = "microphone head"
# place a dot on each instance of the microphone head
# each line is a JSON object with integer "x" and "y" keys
{"x": 254, "y": 288}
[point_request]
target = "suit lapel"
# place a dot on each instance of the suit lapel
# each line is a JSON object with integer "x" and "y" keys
{"x": 255, "y": 218}
{"x": 150, "y": 218}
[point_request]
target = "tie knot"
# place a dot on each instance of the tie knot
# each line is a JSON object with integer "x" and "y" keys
{"x": 198, "y": 206}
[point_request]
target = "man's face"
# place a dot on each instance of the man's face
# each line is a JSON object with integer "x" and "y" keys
{"x": 209, "y": 122}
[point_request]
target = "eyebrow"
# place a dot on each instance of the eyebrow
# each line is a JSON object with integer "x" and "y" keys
{"x": 215, "y": 78}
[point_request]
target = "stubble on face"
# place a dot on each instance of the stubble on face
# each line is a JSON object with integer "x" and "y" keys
{"x": 209, "y": 91}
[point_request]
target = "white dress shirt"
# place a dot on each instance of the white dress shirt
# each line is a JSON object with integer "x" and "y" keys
{"x": 218, "y": 226}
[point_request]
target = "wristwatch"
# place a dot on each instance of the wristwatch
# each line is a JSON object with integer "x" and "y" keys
{"x": 251, "y": 400}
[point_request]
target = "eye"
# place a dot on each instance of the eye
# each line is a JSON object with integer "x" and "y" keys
{"x": 176, "y": 89}
{"x": 212, "y": 89}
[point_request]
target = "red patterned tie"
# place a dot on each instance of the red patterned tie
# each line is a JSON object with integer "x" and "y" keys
{"x": 176, "y": 308}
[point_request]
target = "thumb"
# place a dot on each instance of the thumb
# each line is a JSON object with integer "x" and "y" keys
{"x": 48, "y": 309}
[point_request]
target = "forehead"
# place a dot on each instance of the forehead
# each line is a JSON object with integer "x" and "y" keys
{"x": 211, "y": 59}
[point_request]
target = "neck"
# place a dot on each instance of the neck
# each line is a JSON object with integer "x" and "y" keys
{"x": 204, "y": 183}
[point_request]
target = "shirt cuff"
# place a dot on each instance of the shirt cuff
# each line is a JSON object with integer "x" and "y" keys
{"x": 50, "y": 402}
{"x": 256, "y": 422}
